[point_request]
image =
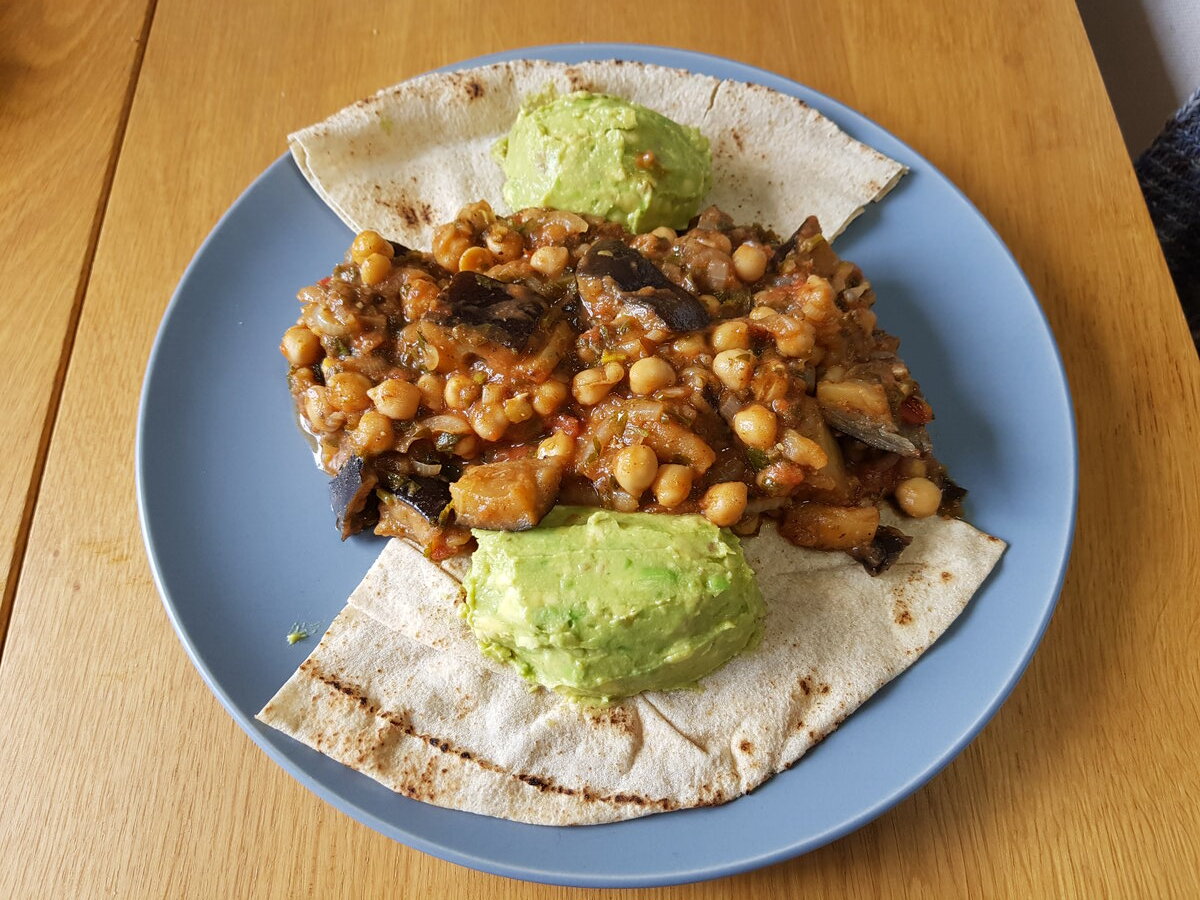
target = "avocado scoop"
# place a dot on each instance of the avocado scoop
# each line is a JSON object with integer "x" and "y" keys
{"x": 600, "y": 154}
{"x": 598, "y": 605}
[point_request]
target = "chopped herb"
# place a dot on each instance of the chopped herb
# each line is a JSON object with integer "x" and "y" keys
{"x": 479, "y": 377}
{"x": 446, "y": 442}
{"x": 342, "y": 348}
{"x": 639, "y": 431}
{"x": 757, "y": 458}
{"x": 613, "y": 356}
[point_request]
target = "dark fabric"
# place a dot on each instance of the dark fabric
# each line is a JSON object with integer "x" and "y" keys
{"x": 1169, "y": 173}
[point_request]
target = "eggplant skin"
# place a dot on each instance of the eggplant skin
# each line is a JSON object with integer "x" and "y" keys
{"x": 506, "y": 313}
{"x": 633, "y": 274}
{"x": 878, "y": 556}
{"x": 352, "y": 496}
{"x": 905, "y": 440}
{"x": 427, "y": 495}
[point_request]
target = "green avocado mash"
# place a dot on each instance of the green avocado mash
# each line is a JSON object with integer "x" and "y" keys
{"x": 594, "y": 153}
{"x": 599, "y": 605}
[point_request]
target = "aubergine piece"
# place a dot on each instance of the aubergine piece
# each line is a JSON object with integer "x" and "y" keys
{"x": 411, "y": 506}
{"x": 905, "y": 440}
{"x": 427, "y": 495}
{"x": 506, "y": 313}
{"x": 510, "y": 495}
{"x": 953, "y": 495}
{"x": 808, "y": 228}
{"x": 352, "y": 495}
{"x": 862, "y": 410}
{"x": 878, "y": 556}
{"x": 642, "y": 284}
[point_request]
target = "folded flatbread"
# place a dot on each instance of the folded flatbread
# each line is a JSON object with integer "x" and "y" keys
{"x": 412, "y": 155}
{"x": 397, "y": 689}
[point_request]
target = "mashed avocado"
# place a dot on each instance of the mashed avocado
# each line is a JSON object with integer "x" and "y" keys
{"x": 599, "y": 605}
{"x": 594, "y": 153}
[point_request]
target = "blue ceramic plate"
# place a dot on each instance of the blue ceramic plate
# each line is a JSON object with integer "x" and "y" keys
{"x": 242, "y": 542}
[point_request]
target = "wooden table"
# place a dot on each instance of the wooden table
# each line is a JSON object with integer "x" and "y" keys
{"x": 127, "y": 129}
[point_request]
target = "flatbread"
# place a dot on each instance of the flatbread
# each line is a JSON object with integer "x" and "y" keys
{"x": 397, "y": 689}
{"x": 389, "y": 163}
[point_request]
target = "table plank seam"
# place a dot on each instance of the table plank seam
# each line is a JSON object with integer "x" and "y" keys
{"x": 46, "y": 433}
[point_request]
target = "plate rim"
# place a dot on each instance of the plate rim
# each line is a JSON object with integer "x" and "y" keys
{"x": 848, "y": 119}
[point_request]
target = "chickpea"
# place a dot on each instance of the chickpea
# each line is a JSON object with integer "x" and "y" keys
{"x": 319, "y": 412}
{"x": 712, "y": 238}
{"x": 672, "y": 485}
{"x": 712, "y": 304}
{"x": 504, "y": 243}
{"x": 803, "y": 451}
{"x": 918, "y": 497}
{"x": 635, "y": 468}
{"x": 461, "y": 391}
{"x": 489, "y": 421}
{"x": 302, "y": 379}
{"x": 348, "y": 391}
{"x": 732, "y": 335}
{"x": 313, "y": 293}
{"x": 493, "y": 394}
{"x": 323, "y": 321}
{"x": 591, "y": 386}
{"x": 649, "y": 374}
{"x": 476, "y": 259}
{"x": 750, "y": 262}
{"x": 518, "y": 409}
{"x": 466, "y": 447}
{"x": 396, "y": 399}
{"x": 373, "y": 434}
{"x": 557, "y": 446}
{"x": 913, "y": 467}
{"x": 478, "y": 215}
{"x": 450, "y": 242}
{"x": 762, "y": 313}
{"x": 735, "y": 368}
{"x": 724, "y": 503}
{"x": 696, "y": 377}
{"x": 663, "y": 231}
{"x": 300, "y": 346}
{"x": 375, "y": 268}
{"x": 432, "y": 388}
{"x": 549, "y": 261}
{"x": 690, "y": 346}
{"x": 549, "y": 396}
{"x": 418, "y": 297}
{"x": 756, "y": 426}
{"x": 367, "y": 243}
{"x": 795, "y": 337}
{"x": 817, "y": 299}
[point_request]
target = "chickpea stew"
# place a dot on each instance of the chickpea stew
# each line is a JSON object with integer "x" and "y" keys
{"x": 549, "y": 357}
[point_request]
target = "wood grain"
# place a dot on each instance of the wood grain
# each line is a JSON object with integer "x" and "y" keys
{"x": 125, "y": 777}
{"x": 66, "y": 72}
